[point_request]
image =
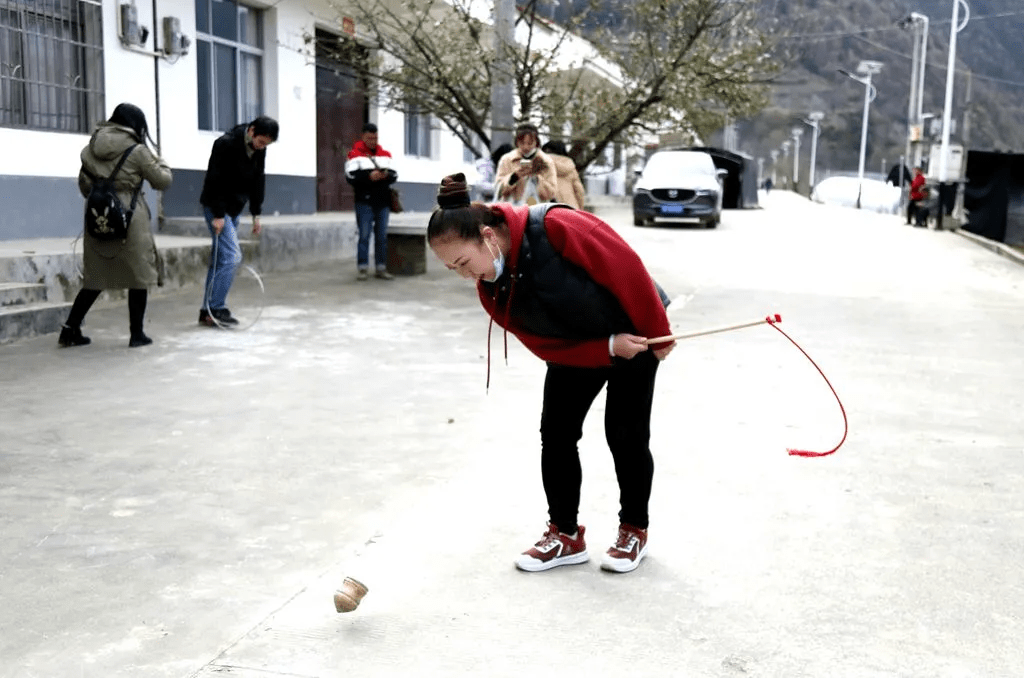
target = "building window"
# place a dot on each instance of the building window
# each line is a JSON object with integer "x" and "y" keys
{"x": 229, "y": 63}
{"x": 51, "y": 64}
{"x": 417, "y": 132}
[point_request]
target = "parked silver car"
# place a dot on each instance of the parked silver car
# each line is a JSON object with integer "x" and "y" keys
{"x": 678, "y": 185}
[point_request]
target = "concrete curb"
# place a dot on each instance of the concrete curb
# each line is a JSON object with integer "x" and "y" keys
{"x": 997, "y": 247}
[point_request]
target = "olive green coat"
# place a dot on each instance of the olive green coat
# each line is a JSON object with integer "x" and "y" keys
{"x": 131, "y": 264}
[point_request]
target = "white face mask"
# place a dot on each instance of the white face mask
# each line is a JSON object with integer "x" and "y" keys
{"x": 499, "y": 263}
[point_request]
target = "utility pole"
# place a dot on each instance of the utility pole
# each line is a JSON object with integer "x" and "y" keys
{"x": 502, "y": 120}
{"x": 920, "y": 85}
{"x": 915, "y": 105}
{"x": 947, "y": 112}
{"x": 796, "y": 132}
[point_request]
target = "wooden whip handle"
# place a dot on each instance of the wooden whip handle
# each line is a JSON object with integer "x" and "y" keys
{"x": 689, "y": 335}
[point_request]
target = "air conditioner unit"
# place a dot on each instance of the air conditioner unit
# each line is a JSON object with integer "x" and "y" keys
{"x": 132, "y": 34}
{"x": 175, "y": 42}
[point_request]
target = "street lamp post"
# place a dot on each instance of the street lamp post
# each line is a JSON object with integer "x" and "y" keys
{"x": 785, "y": 154}
{"x": 796, "y": 132}
{"x": 813, "y": 119}
{"x": 867, "y": 68}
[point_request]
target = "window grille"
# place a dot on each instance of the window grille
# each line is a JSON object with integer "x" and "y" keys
{"x": 229, "y": 63}
{"x": 51, "y": 64}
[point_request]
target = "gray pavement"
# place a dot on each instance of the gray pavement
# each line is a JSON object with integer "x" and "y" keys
{"x": 187, "y": 509}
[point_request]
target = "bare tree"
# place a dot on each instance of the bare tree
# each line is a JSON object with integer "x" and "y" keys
{"x": 650, "y": 66}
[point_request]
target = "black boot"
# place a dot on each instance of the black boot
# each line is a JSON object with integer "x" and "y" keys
{"x": 71, "y": 336}
{"x": 136, "y": 312}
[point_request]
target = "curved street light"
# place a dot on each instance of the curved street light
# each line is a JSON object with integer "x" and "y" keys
{"x": 868, "y": 68}
{"x": 813, "y": 119}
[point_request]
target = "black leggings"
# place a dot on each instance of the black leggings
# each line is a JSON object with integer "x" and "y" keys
{"x": 568, "y": 394}
{"x": 137, "y": 299}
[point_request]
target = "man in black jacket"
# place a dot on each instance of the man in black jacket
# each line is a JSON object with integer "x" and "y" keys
{"x": 234, "y": 176}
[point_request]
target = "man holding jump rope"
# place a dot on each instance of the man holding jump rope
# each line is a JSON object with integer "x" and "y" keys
{"x": 234, "y": 176}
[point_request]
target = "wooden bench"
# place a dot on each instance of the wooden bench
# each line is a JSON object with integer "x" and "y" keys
{"x": 407, "y": 249}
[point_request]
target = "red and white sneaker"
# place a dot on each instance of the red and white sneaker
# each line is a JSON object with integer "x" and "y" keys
{"x": 553, "y": 550}
{"x": 628, "y": 550}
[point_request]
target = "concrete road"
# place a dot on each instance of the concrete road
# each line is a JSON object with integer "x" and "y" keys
{"x": 187, "y": 509}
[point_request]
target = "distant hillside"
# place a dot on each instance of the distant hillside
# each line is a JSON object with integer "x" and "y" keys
{"x": 822, "y": 36}
{"x": 826, "y": 35}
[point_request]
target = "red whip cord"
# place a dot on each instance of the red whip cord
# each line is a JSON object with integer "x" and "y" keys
{"x": 771, "y": 320}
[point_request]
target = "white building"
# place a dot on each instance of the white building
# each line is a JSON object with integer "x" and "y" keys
{"x": 65, "y": 64}
{"x": 196, "y": 68}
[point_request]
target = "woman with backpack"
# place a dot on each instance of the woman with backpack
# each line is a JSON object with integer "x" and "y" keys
{"x": 128, "y": 262}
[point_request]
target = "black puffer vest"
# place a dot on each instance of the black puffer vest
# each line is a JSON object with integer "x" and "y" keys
{"x": 552, "y": 297}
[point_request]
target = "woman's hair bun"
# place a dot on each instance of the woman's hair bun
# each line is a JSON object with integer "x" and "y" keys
{"x": 453, "y": 192}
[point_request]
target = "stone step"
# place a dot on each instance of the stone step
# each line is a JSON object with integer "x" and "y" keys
{"x": 20, "y": 293}
{"x": 30, "y": 320}
{"x": 288, "y": 242}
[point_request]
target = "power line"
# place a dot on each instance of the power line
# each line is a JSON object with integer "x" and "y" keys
{"x": 859, "y": 35}
{"x": 880, "y": 29}
{"x": 940, "y": 67}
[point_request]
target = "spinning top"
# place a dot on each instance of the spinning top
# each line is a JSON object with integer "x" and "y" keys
{"x": 348, "y": 596}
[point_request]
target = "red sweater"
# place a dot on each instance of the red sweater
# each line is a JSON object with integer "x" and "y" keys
{"x": 588, "y": 242}
{"x": 915, "y": 188}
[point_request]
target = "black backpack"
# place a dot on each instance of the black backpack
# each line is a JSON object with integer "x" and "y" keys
{"x": 105, "y": 215}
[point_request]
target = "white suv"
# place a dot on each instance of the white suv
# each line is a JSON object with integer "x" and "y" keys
{"x": 677, "y": 185}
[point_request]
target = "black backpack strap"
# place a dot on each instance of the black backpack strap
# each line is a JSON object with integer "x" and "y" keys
{"x": 117, "y": 168}
{"x": 124, "y": 156}
{"x": 135, "y": 194}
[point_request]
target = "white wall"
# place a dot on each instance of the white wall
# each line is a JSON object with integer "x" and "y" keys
{"x": 289, "y": 95}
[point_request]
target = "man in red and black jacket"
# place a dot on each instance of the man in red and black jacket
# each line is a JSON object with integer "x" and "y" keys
{"x": 369, "y": 170}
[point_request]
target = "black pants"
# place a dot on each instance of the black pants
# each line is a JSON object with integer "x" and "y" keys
{"x": 911, "y": 211}
{"x": 568, "y": 394}
{"x": 137, "y": 299}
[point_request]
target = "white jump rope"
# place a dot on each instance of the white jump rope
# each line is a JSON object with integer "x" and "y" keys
{"x": 245, "y": 267}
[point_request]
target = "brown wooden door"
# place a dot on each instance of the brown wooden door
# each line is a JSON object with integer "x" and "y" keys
{"x": 341, "y": 109}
